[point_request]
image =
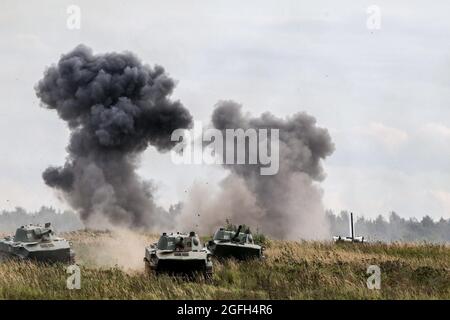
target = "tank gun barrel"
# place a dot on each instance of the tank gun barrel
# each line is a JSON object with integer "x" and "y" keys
{"x": 42, "y": 232}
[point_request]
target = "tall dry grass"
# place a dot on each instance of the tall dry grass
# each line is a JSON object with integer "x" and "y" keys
{"x": 292, "y": 270}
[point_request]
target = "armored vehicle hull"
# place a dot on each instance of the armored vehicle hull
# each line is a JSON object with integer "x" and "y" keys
{"x": 36, "y": 243}
{"x": 179, "y": 266}
{"x": 235, "y": 250}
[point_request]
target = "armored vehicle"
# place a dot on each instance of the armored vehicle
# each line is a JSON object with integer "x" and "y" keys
{"x": 178, "y": 253}
{"x": 352, "y": 238}
{"x": 235, "y": 244}
{"x": 36, "y": 242}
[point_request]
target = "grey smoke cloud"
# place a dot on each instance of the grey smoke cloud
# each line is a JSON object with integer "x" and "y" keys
{"x": 115, "y": 107}
{"x": 288, "y": 204}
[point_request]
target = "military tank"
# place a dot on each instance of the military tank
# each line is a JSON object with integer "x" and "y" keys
{"x": 352, "y": 238}
{"x": 178, "y": 253}
{"x": 37, "y": 242}
{"x": 234, "y": 244}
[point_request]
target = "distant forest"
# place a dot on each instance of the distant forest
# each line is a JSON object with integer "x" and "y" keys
{"x": 61, "y": 220}
{"x": 395, "y": 228}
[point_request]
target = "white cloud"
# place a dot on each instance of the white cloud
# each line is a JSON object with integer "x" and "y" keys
{"x": 436, "y": 130}
{"x": 374, "y": 191}
{"x": 389, "y": 137}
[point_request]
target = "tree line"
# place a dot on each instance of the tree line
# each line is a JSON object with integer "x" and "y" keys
{"x": 394, "y": 228}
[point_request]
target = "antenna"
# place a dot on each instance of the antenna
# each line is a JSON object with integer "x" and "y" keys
{"x": 352, "y": 238}
{"x": 351, "y": 225}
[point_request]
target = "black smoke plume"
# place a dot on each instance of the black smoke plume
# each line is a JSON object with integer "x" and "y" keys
{"x": 115, "y": 107}
{"x": 289, "y": 203}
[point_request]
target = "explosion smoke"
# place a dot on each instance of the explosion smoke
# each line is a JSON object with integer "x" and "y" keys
{"x": 115, "y": 107}
{"x": 285, "y": 205}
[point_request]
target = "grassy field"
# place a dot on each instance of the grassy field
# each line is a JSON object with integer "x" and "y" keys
{"x": 112, "y": 268}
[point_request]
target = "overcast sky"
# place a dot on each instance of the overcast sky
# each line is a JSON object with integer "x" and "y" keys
{"x": 383, "y": 94}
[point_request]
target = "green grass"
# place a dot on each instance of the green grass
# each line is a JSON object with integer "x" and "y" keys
{"x": 292, "y": 270}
